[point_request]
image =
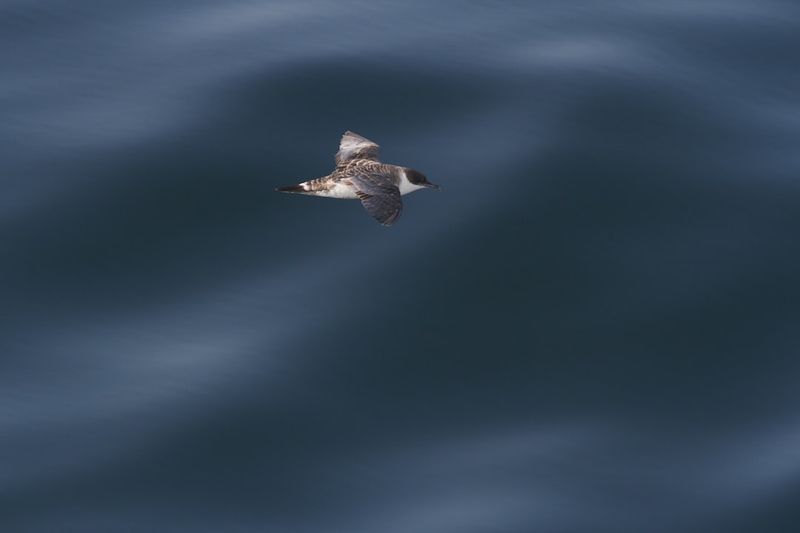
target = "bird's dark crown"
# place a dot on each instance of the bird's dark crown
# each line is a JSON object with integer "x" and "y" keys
{"x": 416, "y": 177}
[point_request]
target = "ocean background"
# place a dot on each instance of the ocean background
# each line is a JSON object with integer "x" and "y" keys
{"x": 593, "y": 327}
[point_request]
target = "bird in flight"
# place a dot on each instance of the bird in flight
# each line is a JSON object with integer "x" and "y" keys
{"x": 359, "y": 175}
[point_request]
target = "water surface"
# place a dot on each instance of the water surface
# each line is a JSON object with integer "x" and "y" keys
{"x": 593, "y": 327}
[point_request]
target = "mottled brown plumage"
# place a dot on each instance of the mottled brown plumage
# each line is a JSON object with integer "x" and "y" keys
{"x": 359, "y": 174}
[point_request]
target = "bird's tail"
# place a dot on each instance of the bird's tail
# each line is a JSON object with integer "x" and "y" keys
{"x": 292, "y": 188}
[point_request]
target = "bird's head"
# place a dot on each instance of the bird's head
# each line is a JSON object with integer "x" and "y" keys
{"x": 418, "y": 178}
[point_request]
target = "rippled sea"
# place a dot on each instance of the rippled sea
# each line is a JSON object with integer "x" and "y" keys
{"x": 593, "y": 327}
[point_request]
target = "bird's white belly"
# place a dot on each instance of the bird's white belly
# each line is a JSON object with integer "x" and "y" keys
{"x": 341, "y": 191}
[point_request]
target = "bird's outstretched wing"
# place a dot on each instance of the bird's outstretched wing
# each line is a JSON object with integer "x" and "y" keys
{"x": 379, "y": 196}
{"x": 354, "y": 146}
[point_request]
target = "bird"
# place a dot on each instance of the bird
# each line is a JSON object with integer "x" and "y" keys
{"x": 360, "y": 175}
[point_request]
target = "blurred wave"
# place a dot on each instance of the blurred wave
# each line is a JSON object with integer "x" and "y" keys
{"x": 592, "y": 327}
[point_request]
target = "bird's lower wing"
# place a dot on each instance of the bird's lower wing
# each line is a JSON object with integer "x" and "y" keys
{"x": 379, "y": 196}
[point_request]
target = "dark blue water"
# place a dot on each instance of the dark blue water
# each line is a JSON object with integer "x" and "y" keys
{"x": 592, "y": 328}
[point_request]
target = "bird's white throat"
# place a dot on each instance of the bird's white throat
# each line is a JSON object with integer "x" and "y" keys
{"x": 406, "y": 186}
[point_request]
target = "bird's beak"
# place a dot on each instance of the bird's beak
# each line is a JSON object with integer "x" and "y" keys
{"x": 433, "y": 186}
